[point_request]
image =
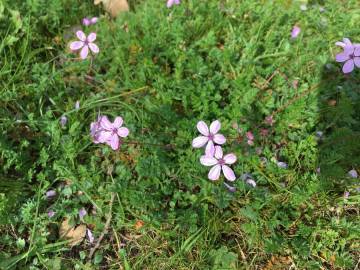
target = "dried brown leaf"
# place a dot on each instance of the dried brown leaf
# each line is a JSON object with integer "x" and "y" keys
{"x": 75, "y": 235}
{"x": 114, "y": 7}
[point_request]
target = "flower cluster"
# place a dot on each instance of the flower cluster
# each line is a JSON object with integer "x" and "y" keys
{"x": 350, "y": 55}
{"x": 103, "y": 131}
{"x": 214, "y": 154}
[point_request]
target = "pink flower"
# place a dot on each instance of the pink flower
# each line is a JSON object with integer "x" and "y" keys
{"x": 103, "y": 131}
{"x": 51, "y": 213}
{"x": 84, "y": 43}
{"x": 350, "y": 55}
{"x": 94, "y": 20}
{"x": 209, "y": 137}
{"x": 218, "y": 162}
{"x": 82, "y": 213}
{"x": 50, "y": 193}
{"x": 86, "y": 21}
{"x": 295, "y": 31}
{"x": 170, "y": 3}
{"x": 250, "y": 137}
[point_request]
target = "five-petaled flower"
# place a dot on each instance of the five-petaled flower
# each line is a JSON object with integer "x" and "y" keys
{"x": 103, "y": 131}
{"x": 84, "y": 43}
{"x": 170, "y": 3}
{"x": 219, "y": 163}
{"x": 350, "y": 55}
{"x": 210, "y": 136}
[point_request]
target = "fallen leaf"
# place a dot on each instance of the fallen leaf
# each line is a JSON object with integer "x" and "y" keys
{"x": 76, "y": 235}
{"x": 114, "y": 7}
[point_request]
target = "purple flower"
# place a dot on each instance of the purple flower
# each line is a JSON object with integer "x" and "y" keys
{"x": 230, "y": 188}
{"x": 90, "y": 236}
{"x": 103, "y": 131}
{"x": 282, "y": 165}
{"x": 85, "y": 43}
{"x": 86, "y": 21}
{"x": 346, "y": 194}
{"x": 353, "y": 174}
{"x": 209, "y": 137}
{"x": 94, "y": 20}
{"x": 295, "y": 31}
{"x": 218, "y": 162}
{"x": 170, "y": 3}
{"x": 350, "y": 55}
{"x": 51, "y": 213}
{"x": 63, "y": 120}
{"x": 50, "y": 193}
{"x": 82, "y": 213}
{"x": 77, "y": 105}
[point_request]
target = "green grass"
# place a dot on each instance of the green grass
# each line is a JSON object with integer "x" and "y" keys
{"x": 163, "y": 70}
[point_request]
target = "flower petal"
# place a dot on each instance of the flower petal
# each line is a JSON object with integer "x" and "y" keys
{"x": 230, "y": 158}
{"x": 84, "y": 52}
{"x": 228, "y": 173}
{"x": 208, "y": 161}
{"x": 215, "y": 127}
{"x": 210, "y": 149}
{"x": 218, "y": 152}
{"x": 81, "y": 35}
{"x": 349, "y": 66}
{"x": 199, "y": 141}
{"x": 86, "y": 22}
{"x": 342, "y": 57}
{"x": 203, "y": 128}
{"x": 118, "y": 122}
{"x": 357, "y": 61}
{"x": 94, "y": 20}
{"x": 357, "y": 50}
{"x": 94, "y": 48}
{"x": 76, "y": 45}
{"x": 219, "y": 139}
{"x": 114, "y": 142}
{"x": 214, "y": 173}
{"x": 347, "y": 42}
{"x": 103, "y": 136}
{"x": 123, "y": 132}
{"x": 170, "y": 3}
{"x": 105, "y": 123}
{"x": 91, "y": 37}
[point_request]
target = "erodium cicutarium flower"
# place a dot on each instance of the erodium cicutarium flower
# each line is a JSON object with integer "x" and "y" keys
{"x": 219, "y": 163}
{"x": 103, "y": 131}
{"x": 295, "y": 32}
{"x": 84, "y": 44}
{"x": 209, "y": 137}
{"x": 350, "y": 55}
{"x": 170, "y": 3}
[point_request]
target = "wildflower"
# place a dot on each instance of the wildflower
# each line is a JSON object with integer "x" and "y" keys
{"x": 85, "y": 43}
{"x": 51, "y": 213}
{"x": 350, "y": 55}
{"x": 77, "y": 105}
{"x": 94, "y": 20}
{"x": 63, "y": 120}
{"x": 90, "y": 235}
{"x": 295, "y": 31}
{"x": 103, "y": 131}
{"x": 230, "y": 188}
{"x": 247, "y": 177}
{"x": 353, "y": 174}
{"x": 210, "y": 137}
{"x": 50, "y": 193}
{"x": 82, "y": 213}
{"x": 86, "y": 21}
{"x": 170, "y": 3}
{"x": 250, "y": 137}
{"x": 218, "y": 162}
{"x": 282, "y": 165}
{"x": 346, "y": 194}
